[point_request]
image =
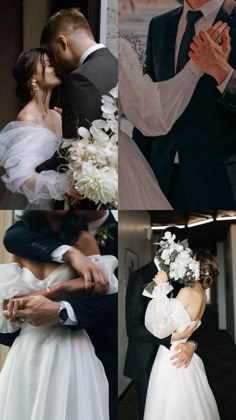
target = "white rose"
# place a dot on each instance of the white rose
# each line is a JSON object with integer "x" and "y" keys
{"x": 165, "y": 254}
{"x": 167, "y": 235}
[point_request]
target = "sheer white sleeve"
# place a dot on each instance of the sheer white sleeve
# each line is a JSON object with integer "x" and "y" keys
{"x": 163, "y": 315}
{"x": 107, "y": 264}
{"x": 153, "y": 107}
{"x": 10, "y": 275}
{"x": 23, "y": 147}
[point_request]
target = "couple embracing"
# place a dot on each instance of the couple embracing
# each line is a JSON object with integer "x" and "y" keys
{"x": 28, "y": 145}
{"x": 169, "y": 377}
{"x": 58, "y": 300}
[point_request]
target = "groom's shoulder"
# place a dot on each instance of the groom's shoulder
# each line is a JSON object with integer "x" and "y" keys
{"x": 165, "y": 17}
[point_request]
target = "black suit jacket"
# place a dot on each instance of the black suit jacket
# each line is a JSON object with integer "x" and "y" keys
{"x": 142, "y": 345}
{"x": 205, "y": 133}
{"x": 98, "y": 316}
{"x": 83, "y": 88}
{"x": 110, "y": 247}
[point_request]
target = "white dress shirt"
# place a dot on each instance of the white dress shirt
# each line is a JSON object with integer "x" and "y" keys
{"x": 57, "y": 256}
{"x": 90, "y": 51}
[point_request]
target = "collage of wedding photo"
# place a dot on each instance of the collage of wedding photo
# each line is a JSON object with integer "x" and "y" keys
{"x": 118, "y": 210}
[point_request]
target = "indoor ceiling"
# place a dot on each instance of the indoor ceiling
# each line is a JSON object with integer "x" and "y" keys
{"x": 159, "y": 218}
{"x": 204, "y": 236}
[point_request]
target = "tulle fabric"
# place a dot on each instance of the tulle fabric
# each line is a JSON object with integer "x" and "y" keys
{"x": 153, "y": 107}
{"x": 24, "y": 146}
{"x": 138, "y": 186}
{"x": 51, "y": 372}
{"x": 175, "y": 394}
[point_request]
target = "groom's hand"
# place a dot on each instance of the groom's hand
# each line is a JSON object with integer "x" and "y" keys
{"x": 83, "y": 266}
{"x": 210, "y": 56}
{"x": 184, "y": 355}
{"x": 37, "y": 310}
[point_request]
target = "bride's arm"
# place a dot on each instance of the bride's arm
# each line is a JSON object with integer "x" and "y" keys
{"x": 46, "y": 185}
{"x": 163, "y": 315}
{"x": 153, "y": 107}
{"x": 76, "y": 286}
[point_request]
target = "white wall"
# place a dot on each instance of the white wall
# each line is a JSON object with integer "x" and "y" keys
{"x": 221, "y": 287}
{"x": 230, "y": 280}
{"x": 132, "y": 227}
{"x": 6, "y": 218}
{"x": 111, "y": 25}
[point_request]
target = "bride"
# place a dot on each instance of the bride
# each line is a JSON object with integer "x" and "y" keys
{"x": 51, "y": 372}
{"x": 140, "y": 98}
{"x": 179, "y": 394}
{"x": 33, "y": 138}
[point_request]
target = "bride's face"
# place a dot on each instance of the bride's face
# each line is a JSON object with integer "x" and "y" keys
{"x": 45, "y": 74}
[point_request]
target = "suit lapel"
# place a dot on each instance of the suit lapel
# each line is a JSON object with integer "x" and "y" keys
{"x": 166, "y": 52}
{"x": 227, "y": 12}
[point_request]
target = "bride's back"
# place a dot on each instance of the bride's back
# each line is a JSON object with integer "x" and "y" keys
{"x": 194, "y": 300}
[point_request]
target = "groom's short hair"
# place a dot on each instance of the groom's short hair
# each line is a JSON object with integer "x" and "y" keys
{"x": 64, "y": 21}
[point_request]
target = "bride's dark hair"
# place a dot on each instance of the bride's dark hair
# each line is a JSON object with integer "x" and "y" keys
{"x": 209, "y": 268}
{"x": 24, "y": 70}
{"x": 71, "y": 227}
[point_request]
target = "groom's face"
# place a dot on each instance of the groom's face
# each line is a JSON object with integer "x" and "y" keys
{"x": 61, "y": 57}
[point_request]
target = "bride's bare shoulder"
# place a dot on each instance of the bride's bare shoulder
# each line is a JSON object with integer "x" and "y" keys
{"x": 190, "y": 297}
{"x": 26, "y": 115}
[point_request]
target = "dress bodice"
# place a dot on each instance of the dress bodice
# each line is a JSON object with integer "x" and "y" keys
{"x": 17, "y": 281}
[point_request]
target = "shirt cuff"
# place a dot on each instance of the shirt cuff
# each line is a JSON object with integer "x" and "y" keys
{"x": 224, "y": 84}
{"x": 194, "y": 70}
{"x": 72, "y": 319}
{"x": 57, "y": 254}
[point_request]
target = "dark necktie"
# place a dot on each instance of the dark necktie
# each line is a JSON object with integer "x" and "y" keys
{"x": 188, "y": 35}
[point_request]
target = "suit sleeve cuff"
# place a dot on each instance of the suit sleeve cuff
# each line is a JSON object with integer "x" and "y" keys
{"x": 225, "y": 83}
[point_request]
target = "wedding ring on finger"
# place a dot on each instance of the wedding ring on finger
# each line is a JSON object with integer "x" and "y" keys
{"x": 22, "y": 320}
{"x": 219, "y": 41}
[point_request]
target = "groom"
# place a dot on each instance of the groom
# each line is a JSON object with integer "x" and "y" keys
{"x": 195, "y": 162}
{"x": 97, "y": 315}
{"x": 88, "y": 69}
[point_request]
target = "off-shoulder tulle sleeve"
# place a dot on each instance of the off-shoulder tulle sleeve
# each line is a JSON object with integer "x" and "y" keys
{"x": 10, "y": 278}
{"x": 153, "y": 107}
{"x": 107, "y": 264}
{"x": 23, "y": 147}
{"x": 163, "y": 315}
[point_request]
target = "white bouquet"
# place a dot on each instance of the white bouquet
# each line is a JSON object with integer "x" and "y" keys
{"x": 93, "y": 158}
{"x": 176, "y": 259}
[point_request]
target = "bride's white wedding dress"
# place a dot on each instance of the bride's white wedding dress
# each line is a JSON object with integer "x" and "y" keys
{"x": 153, "y": 108}
{"x": 24, "y": 146}
{"x": 51, "y": 372}
{"x": 175, "y": 394}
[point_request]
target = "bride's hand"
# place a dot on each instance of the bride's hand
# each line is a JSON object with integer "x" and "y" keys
{"x": 12, "y": 306}
{"x": 161, "y": 277}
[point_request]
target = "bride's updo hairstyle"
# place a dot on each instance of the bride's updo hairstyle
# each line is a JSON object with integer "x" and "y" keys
{"x": 24, "y": 70}
{"x": 209, "y": 268}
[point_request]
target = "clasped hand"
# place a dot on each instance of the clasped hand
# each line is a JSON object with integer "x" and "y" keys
{"x": 210, "y": 51}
